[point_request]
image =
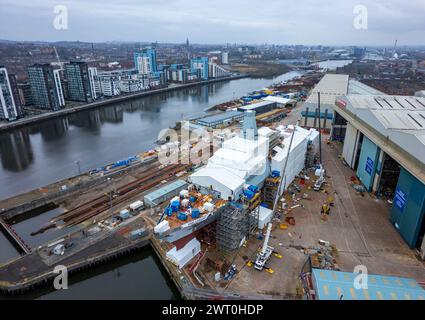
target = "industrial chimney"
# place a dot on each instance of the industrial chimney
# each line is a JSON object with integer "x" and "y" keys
{"x": 249, "y": 128}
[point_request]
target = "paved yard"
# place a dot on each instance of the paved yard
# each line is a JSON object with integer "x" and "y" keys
{"x": 358, "y": 226}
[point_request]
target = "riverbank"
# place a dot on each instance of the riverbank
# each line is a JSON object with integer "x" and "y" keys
{"x": 261, "y": 70}
{"x": 64, "y": 112}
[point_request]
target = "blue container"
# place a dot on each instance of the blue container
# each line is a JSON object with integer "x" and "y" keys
{"x": 182, "y": 216}
{"x": 275, "y": 173}
{"x": 175, "y": 205}
{"x": 249, "y": 194}
{"x": 192, "y": 199}
{"x": 253, "y": 188}
{"x": 195, "y": 213}
{"x": 168, "y": 211}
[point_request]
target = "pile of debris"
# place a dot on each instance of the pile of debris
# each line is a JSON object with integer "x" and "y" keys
{"x": 324, "y": 256}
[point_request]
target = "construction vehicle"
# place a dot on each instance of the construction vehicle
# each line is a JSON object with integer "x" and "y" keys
{"x": 320, "y": 180}
{"x": 231, "y": 273}
{"x": 264, "y": 255}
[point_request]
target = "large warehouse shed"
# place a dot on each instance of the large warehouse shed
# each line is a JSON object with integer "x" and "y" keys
{"x": 259, "y": 107}
{"x": 220, "y": 119}
{"x": 330, "y": 86}
{"x": 385, "y": 145}
{"x": 339, "y": 125}
{"x": 164, "y": 193}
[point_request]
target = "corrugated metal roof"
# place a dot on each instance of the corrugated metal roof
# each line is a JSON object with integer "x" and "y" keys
{"x": 256, "y": 105}
{"x": 395, "y": 123}
{"x": 331, "y": 285}
{"x": 221, "y": 116}
{"x": 330, "y": 86}
{"x": 394, "y": 112}
{"x": 357, "y": 87}
{"x": 165, "y": 190}
{"x": 280, "y": 100}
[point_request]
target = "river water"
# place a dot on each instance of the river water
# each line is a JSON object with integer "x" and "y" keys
{"x": 138, "y": 276}
{"x": 43, "y": 153}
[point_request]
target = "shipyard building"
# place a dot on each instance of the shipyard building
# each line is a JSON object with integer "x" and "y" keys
{"x": 244, "y": 160}
{"x": 330, "y": 86}
{"x": 384, "y": 143}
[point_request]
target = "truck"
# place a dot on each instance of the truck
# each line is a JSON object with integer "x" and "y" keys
{"x": 264, "y": 255}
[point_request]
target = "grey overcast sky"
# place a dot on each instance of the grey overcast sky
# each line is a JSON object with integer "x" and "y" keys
{"x": 327, "y": 22}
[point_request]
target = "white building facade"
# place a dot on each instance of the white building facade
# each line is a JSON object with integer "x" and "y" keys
{"x": 7, "y": 102}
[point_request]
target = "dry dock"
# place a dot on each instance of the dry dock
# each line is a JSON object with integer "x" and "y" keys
{"x": 87, "y": 251}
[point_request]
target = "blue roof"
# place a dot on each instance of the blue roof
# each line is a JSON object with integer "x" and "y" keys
{"x": 330, "y": 285}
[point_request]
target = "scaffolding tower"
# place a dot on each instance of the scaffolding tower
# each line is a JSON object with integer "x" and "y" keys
{"x": 235, "y": 223}
{"x": 311, "y": 157}
{"x": 271, "y": 185}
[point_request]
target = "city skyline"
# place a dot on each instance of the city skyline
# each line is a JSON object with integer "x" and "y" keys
{"x": 222, "y": 22}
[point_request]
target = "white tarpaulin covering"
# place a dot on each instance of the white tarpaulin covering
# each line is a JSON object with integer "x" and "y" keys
{"x": 219, "y": 179}
{"x": 279, "y": 100}
{"x": 185, "y": 254}
{"x": 314, "y": 138}
{"x": 296, "y": 160}
{"x": 230, "y": 167}
{"x": 162, "y": 227}
{"x": 264, "y": 216}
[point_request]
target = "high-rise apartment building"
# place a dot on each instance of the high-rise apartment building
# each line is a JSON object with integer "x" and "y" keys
{"x": 79, "y": 87}
{"x": 94, "y": 85}
{"x": 200, "y": 64}
{"x": 46, "y": 87}
{"x": 8, "y": 109}
{"x": 145, "y": 61}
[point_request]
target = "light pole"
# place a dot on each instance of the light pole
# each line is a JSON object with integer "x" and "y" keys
{"x": 110, "y": 181}
{"x": 78, "y": 166}
{"x": 320, "y": 129}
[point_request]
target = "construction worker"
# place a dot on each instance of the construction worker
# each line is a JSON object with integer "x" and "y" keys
{"x": 325, "y": 209}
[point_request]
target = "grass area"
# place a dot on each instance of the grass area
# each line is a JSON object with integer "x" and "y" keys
{"x": 261, "y": 69}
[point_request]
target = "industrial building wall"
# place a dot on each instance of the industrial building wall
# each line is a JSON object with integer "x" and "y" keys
{"x": 295, "y": 163}
{"x": 367, "y": 163}
{"x": 350, "y": 145}
{"x": 408, "y": 209}
{"x": 311, "y": 120}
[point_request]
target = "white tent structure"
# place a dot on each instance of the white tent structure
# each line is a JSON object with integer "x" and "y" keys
{"x": 281, "y": 102}
{"x": 184, "y": 255}
{"x": 241, "y": 160}
{"x": 297, "y": 154}
{"x": 221, "y": 180}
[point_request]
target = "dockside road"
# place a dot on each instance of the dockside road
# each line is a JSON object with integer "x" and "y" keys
{"x": 67, "y": 111}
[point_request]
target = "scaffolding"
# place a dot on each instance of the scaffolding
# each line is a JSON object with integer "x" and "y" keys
{"x": 235, "y": 223}
{"x": 271, "y": 185}
{"x": 311, "y": 157}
